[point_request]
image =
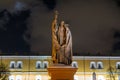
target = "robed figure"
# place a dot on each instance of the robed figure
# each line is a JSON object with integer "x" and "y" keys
{"x": 61, "y": 43}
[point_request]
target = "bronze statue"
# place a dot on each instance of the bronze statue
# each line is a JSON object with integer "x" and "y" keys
{"x": 61, "y": 43}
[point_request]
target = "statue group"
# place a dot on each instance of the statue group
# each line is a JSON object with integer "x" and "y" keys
{"x": 61, "y": 42}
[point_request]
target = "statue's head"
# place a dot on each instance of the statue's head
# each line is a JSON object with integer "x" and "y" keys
{"x": 62, "y": 23}
{"x": 56, "y": 15}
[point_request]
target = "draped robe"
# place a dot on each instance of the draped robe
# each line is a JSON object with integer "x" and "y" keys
{"x": 61, "y": 45}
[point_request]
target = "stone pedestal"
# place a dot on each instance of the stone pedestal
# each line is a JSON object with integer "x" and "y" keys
{"x": 61, "y": 72}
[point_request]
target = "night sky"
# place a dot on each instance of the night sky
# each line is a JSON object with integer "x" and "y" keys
{"x": 25, "y": 26}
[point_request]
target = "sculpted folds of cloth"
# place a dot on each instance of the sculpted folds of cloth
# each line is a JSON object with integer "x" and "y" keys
{"x": 61, "y": 43}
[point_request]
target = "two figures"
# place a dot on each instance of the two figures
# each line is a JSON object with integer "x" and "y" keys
{"x": 61, "y": 43}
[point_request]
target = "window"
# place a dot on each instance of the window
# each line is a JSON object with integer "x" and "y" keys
{"x": 38, "y": 77}
{"x": 38, "y": 64}
{"x": 18, "y": 77}
{"x": 74, "y": 64}
{"x": 45, "y": 64}
{"x": 12, "y": 64}
{"x": 11, "y": 77}
{"x": 19, "y": 64}
{"x": 118, "y": 77}
{"x": 75, "y": 77}
{"x": 117, "y": 65}
{"x": 101, "y": 77}
{"x": 99, "y": 65}
{"x": 92, "y": 65}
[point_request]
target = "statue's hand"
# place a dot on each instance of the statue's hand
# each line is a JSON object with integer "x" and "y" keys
{"x": 63, "y": 46}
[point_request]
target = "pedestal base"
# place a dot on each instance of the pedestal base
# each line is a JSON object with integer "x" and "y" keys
{"x": 61, "y": 72}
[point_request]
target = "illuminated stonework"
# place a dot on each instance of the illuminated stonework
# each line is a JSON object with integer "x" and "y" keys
{"x": 35, "y": 67}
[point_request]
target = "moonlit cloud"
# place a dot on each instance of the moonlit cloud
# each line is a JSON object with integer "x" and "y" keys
{"x": 19, "y": 6}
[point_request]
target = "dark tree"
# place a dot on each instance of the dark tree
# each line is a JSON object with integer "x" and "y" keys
{"x": 111, "y": 70}
{"x": 4, "y": 72}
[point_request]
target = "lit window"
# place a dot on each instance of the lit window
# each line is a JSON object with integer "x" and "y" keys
{"x": 99, "y": 65}
{"x": 74, "y": 64}
{"x": 38, "y": 77}
{"x": 38, "y": 64}
{"x": 19, "y": 64}
{"x": 18, "y": 77}
{"x": 45, "y": 64}
{"x": 75, "y": 77}
{"x": 11, "y": 77}
{"x": 118, "y": 77}
{"x": 117, "y": 65}
{"x": 12, "y": 64}
{"x": 101, "y": 77}
{"x": 92, "y": 65}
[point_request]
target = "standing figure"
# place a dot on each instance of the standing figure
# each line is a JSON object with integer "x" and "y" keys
{"x": 61, "y": 43}
{"x": 55, "y": 44}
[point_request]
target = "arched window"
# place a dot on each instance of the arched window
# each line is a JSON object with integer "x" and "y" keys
{"x": 45, "y": 64}
{"x": 19, "y": 64}
{"x": 75, "y": 77}
{"x": 38, "y": 77}
{"x": 117, "y": 65}
{"x": 92, "y": 65}
{"x": 101, "y": 77}
{"x": 38, "y": 65}
{"x": 12, "y": 64}
{"x": 11, "y": 77}
{"x": 74, "y": 64}
{"x": 99, "y": 65}
{"x": 18, "y": 77}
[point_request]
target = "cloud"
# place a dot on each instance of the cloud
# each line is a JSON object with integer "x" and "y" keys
{"x": 92, "y": 23}
{"x": 19, "y": 6}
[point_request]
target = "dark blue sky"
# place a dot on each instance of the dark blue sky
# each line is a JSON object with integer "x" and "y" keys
{"x": 25, "y": 26}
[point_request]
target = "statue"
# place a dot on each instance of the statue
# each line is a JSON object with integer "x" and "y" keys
{"x": 61, "y": 43}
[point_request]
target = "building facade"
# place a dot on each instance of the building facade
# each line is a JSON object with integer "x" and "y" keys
{"x": 89, "y": 67}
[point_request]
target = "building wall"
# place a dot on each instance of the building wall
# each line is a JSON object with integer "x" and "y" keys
{"x": 84, "y": 72}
